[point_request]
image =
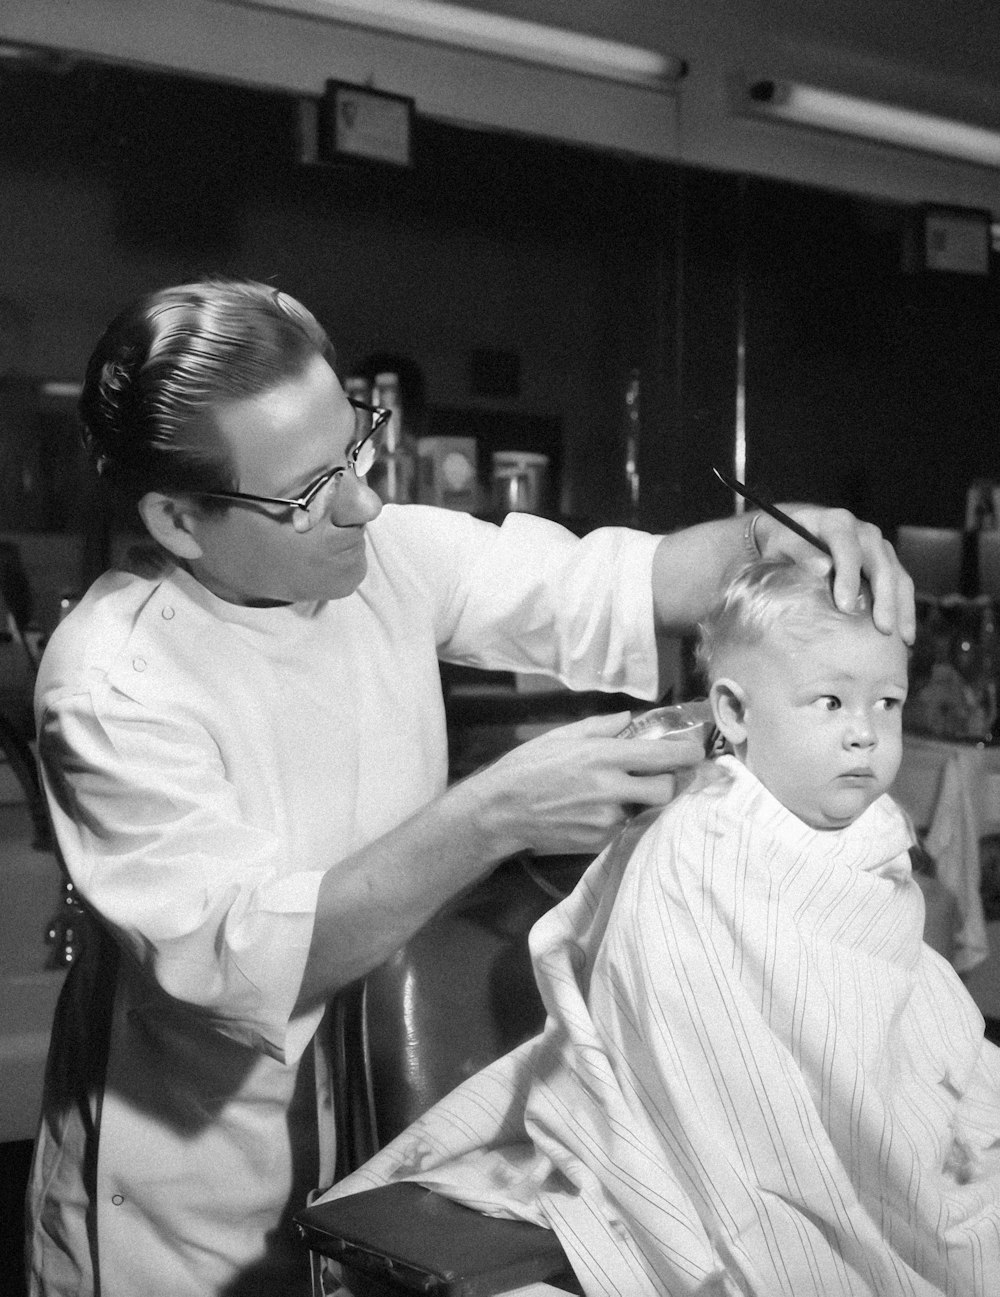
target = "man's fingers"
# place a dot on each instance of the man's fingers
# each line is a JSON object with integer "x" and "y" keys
{"x": 894, "y": 603}
{"x": 606, "y": 726}
{"x": 649, "y": 756}
{"x": 652, "y": 790}
{"x": 857, "y": 547}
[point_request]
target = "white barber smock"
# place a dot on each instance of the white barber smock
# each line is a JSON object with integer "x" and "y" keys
{"x": 205, "y": 763}
{"x": 755, "y": 1078}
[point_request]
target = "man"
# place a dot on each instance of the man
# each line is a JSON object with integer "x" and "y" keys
{"x": 244, "y": 753}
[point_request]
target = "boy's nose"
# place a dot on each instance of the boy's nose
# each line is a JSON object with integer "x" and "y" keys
{"x": 860, "y": 732}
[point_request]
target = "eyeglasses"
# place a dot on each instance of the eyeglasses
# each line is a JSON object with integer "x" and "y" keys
{"x": 313, "y": 505}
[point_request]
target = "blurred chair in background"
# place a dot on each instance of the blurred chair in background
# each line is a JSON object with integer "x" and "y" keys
{"x": 933, "y": 558}
{"x": 988, "y": 549}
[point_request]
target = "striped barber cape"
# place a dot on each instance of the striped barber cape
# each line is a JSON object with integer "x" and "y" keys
{"x": 755, "y": 1077}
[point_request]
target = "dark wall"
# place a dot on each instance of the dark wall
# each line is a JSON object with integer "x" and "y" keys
{"x": 866, "y": 385}
{"x": 113, "y": 183}
{"x": 698, "y": 358}
{"x": 870, "y": 383}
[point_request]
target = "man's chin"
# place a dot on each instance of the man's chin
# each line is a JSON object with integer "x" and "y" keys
{"x": 336, "y": 580}
{"x": 335, "y": 576}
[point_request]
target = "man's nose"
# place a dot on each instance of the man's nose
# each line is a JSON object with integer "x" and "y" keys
{"x": 354, "y": 502}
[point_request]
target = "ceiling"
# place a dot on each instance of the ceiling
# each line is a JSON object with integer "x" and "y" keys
{"x": 943, "y": 58}
{"x": 960, "y": 38}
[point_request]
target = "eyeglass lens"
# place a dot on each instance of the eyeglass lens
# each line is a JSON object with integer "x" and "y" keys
{"x": 319, "y": 506}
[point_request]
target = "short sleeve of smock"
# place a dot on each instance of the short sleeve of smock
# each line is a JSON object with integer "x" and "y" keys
{"x": 530, "y": 596}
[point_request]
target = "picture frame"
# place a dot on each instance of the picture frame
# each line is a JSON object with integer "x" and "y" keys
{"x": 957, "y": 240}
{"x": 359, "y": 122}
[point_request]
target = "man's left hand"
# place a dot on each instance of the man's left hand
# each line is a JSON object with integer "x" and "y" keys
{"x": 858, "y": 548}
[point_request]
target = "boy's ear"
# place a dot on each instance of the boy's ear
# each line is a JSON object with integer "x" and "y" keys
{"x": 728, "y": 701}
{"x": 170, "y": 521}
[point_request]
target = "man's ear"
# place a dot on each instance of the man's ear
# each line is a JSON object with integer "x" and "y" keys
{"x": 170, "y": 521}
{"x": 728, "y": 701}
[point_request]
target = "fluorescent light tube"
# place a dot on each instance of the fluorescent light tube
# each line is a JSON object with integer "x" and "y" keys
{"x": 811, "y": 106}
{"x": 517, "y": 38}
{"x": 57, "y": 387}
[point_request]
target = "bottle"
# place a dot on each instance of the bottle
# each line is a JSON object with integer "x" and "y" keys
{"x": 632, "y": 430}
{"x": 394, "y": 475}
{"x": 519, "y": 481}
{"x": 358, "y": 388}
{"x": 990, "y": 648}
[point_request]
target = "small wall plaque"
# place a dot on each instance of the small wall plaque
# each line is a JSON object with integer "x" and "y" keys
{"x": 957, "y": 239}
{"x": 356, "y": 121}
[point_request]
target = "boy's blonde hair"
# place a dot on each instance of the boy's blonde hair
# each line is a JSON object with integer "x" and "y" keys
{"x": 769, "y": 594}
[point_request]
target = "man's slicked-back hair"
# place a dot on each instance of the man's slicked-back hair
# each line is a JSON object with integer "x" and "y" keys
{"x": 770, "y": 594}
{"x": 168, "y": 361}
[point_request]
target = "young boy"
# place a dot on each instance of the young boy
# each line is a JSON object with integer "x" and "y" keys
{"x": 755, "y": 1077}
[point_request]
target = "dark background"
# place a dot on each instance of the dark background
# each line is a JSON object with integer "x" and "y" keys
{"x": 556, "y": 269}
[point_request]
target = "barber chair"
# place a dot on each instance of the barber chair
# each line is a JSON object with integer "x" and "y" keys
{"x": 458, "y": 995}
{"x": 988, "y": 563}
{"x": 16, "y": 751}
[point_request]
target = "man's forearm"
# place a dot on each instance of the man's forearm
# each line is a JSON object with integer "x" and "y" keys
{"x": 372, "y": 902}
{"x": 562, "y": 792}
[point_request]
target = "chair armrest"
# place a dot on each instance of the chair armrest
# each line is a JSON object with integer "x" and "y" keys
{"x": 403, "y": 1238}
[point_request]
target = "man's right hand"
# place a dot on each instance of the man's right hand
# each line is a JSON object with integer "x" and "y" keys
{"x": 561, "y": 794}
{"x": 565, "y": 792}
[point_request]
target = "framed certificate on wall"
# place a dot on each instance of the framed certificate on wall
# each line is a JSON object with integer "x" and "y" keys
{"x": 957, "y": 239}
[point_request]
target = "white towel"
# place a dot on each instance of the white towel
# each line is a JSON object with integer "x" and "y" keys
{"x": 953, "y": 842}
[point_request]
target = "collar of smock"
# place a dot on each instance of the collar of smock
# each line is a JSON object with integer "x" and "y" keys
{"x": 282, "y": 621}
{"x": 875, "y": 842}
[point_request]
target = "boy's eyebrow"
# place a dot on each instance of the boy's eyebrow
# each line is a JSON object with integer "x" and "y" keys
{"x": 835, "y": 676}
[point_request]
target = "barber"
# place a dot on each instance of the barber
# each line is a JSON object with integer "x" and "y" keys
{"x": 244, "y": 754}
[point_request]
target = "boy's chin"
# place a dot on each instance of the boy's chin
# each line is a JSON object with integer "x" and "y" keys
{"x": 838, "y": 811}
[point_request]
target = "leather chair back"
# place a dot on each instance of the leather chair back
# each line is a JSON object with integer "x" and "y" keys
{"x": 458, "y": 995}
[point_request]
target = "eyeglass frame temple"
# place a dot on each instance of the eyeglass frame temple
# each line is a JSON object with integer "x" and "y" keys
{"x": 381, "y": 415}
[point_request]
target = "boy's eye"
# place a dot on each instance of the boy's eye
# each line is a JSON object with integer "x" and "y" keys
{"x": 890, "y": 704}
{"x": 829, "y": 702}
